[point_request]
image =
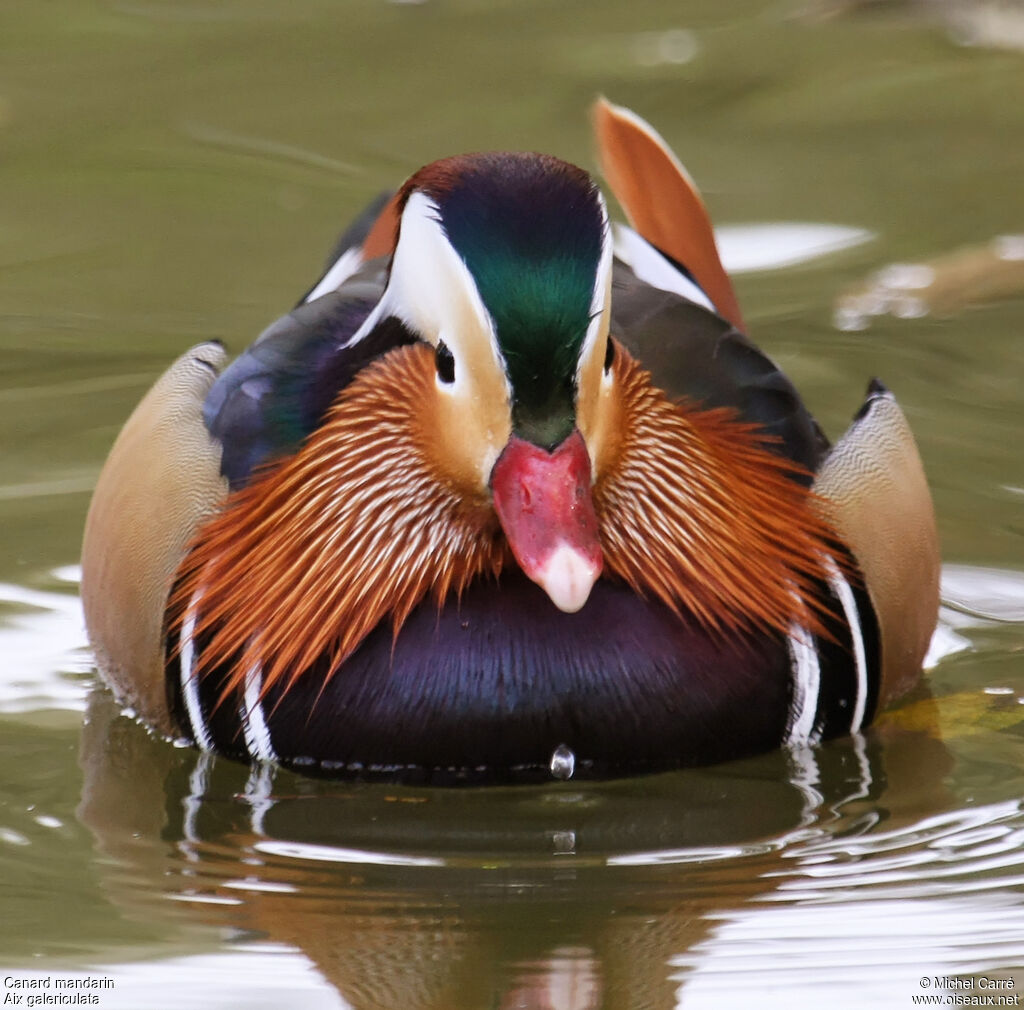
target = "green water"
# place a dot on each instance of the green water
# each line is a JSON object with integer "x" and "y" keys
{"x": 176, "y": 171}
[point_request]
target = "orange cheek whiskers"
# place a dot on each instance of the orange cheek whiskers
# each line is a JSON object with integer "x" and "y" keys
{"x": 696, "y": 511}
{"x": 313, "y": 554}
{"x": 693, "y": 510}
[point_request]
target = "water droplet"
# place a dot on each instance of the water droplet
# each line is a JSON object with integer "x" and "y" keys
{"x": 564, "y": 843}
{"x": 999, "y": 691}
{"x": 563, "y": 762}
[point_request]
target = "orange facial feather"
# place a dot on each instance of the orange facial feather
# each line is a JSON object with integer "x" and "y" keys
{"x": 695, "y": 510}
{"x": 361, "y": 525}
{"x": 356, "y": 527}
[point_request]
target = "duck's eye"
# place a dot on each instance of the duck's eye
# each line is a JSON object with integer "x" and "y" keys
{"x": 609, "y": 354}
{"x": 444, "y": 362}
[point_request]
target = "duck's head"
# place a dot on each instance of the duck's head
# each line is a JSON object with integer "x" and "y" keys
{"x": 503, "y": 265}
{"x": 493, "y": 413}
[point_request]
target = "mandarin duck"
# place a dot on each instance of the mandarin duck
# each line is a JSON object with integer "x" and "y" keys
{"x": 509, "y": 495}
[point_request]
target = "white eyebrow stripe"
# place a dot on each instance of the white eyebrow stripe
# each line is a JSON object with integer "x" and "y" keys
{"x": 600, "y": 299}
{"x": 430, "y": 288}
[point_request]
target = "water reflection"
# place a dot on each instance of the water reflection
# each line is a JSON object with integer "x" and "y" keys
{"x": 841, "y": 872}
{"x": 801, "y": 868}
{"x": 43, "y": 646}
{"x": 943, "y": 286}
{"x": 773, "y": 245}
{"x": 265, "y": 976}
{"x": 873, "y": 956}
{"x": 988, "y": 594}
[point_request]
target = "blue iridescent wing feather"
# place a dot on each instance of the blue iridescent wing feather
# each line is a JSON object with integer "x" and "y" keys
{"x": 278, "y": 391}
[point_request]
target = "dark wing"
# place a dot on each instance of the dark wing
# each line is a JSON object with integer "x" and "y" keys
{"x": 693, "y": 353}
{"x": 351, "y": 241}
{"x": 270, "y": 398}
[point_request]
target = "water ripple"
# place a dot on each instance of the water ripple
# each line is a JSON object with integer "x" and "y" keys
{"x": 874, "y": 955}
{"x": 257, "y": 976}
{"x": 43, "y": 647}
{"x": 336, "y": 854}
{"x": 923, "y": 900}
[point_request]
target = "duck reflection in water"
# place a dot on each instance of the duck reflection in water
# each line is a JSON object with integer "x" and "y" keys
{"x": 556, "y": 897}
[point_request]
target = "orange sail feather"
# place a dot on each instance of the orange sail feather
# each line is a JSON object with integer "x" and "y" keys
{"x": 662, "y": 201}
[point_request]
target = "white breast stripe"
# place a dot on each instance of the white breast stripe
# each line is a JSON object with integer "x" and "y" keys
{"x": 844, "y": 594}
{"x": 806, "y": 686}
{"x": 254, "y": 725}
{"x": 189, "y": 679}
